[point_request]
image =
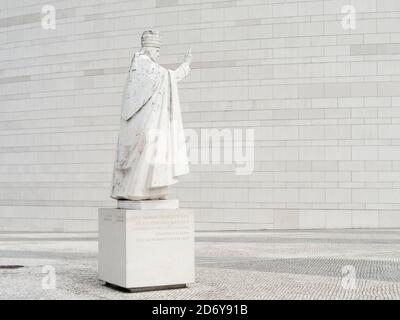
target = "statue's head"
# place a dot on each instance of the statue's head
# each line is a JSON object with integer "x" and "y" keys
{"x": 151, "y": 44}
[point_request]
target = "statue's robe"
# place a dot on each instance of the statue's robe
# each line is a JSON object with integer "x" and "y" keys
{"x": 151, "y": 150}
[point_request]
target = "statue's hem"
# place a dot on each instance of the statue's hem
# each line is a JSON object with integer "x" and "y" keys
{"x": 140, "y": 198}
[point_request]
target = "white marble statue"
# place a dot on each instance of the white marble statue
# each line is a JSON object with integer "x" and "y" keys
{"x": 151, "y": 150}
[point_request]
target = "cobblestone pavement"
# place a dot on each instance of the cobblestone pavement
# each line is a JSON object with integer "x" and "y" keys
{"x": 334, "y": 264}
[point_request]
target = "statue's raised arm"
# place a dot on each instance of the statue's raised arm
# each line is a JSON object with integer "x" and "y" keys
{"x": 184, "y": 69}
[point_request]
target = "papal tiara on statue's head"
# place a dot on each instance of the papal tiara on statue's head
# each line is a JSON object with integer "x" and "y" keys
{"x": 151, "y": 38}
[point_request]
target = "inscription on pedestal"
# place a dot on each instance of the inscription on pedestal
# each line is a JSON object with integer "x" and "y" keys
{"x": 162, "y": 227}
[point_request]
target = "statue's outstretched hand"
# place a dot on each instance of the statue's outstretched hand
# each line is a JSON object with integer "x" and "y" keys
{"x": 188, "y": 56}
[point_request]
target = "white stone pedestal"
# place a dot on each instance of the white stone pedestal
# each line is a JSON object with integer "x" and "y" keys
{"x": 143, "y": 250}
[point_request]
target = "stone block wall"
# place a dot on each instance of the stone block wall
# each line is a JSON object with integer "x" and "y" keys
{"x": 320, "y": 90}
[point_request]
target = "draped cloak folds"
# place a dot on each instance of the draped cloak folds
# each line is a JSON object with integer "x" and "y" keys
{"x": 151, "y": 149}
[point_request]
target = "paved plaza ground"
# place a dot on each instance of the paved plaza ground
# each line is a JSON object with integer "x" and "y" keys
{"x": 326, "y": 264}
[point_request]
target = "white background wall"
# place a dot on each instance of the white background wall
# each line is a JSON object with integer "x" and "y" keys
{"x": 324, "y": 103}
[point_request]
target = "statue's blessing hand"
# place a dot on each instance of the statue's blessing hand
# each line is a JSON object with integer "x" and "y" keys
{"x": 188, "y": 56}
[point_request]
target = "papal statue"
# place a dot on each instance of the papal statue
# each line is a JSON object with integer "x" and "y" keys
{"x": 151, "y": 151}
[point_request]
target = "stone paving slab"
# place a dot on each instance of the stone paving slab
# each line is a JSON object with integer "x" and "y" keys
{"x": 320, "y": 264}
